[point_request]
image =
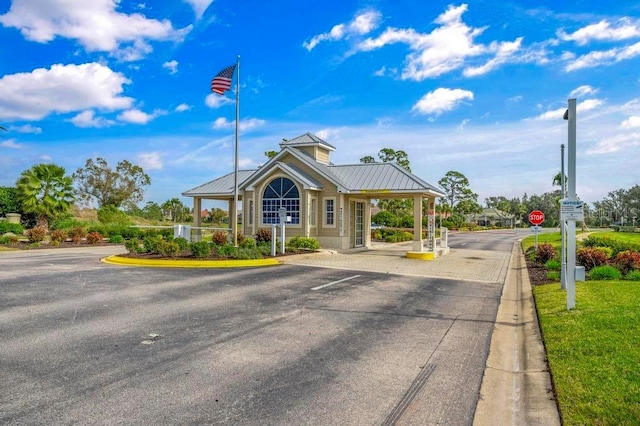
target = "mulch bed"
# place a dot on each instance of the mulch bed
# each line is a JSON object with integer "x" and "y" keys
{"x": 537, "y": 273}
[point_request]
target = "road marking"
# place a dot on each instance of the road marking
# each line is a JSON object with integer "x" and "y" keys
{"x": 335, "y": 282}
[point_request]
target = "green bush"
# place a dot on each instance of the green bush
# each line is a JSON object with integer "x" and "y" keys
{"x": 226, "y": 250}
{"x": 182, "y": 243}
{"x": 606, "y": 272}
{"x": 616, "y": 246}
{"x": 168, "y": 248}
{"x": 150, "y": 244}
{"x": 200, "y": 250}
{"x": 553, "y": 275}
{"x": 633, "y": 276}
{"x": 94, "y": 237}
{"x": 247, "y": 242}
{"x": 9, "y": 202}
{"x": 590, "y": 257}
{"x": 116, "y": 239}
{"x": 111, "y": 214}
{"x": 248, "y": 253}
{"x": 552, "y": 265}
{"x": 8, "y": 239}
{"x": 302, "y": 243}
{"x": 67, "y": 223}
{"x": 545, "y": 252}
{"x": 385, "y": 218}
{"x": 36, "y": 234}
{"x": 15, "y": 228}
{"x": 133, "y": 245}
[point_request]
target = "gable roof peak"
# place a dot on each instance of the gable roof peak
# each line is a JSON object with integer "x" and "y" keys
{"x": 307, "y": 139}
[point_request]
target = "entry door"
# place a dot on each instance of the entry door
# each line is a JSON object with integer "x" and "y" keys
{"x": 359, "y": 225}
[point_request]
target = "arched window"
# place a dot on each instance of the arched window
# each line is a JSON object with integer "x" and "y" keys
{"x": 280, "y": 193}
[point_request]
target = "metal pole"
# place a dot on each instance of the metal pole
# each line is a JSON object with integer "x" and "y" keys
{"x": 563, "y": 265}
{"x": 235, "y": 177}
{"x": 571, "y": 226}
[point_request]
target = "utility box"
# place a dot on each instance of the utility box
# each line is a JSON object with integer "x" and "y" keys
{"x": 580, "y": 275}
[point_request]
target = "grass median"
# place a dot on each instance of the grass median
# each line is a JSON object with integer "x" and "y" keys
{"x": 594, "y": 350}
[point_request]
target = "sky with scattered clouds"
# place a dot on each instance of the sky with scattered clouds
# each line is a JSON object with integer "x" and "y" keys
{"x": 478, "y": 87}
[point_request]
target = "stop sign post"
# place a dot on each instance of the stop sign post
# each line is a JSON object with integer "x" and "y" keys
{"x": 536, "y": 217}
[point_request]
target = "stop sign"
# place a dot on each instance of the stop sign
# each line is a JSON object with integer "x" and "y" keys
{"x": 536, "y": 217}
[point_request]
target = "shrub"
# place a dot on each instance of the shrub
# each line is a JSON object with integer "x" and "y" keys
{"x": 14, "y": 228}
{"x": 608, "y": 251}
{"x": 77, "y": 233}
{"x": 590, "y": 257}
{"x": 552, "y": 265}
{"x": 553, "y": 275}
{"x": 386, "y": 218}
{"x": 606, "y": 272}
{"x": 376, "y": 234}
{"x": 182, "y": 243}
{"x": 168, "y": 248}
{"x": 132, "y": 245}
{"x": 200, "y": 249}
{"x": 8, "y": 239}
{"x": 263, "y": 235}
{"x": 116, "y": 239}
{"x": 150, "y": 244}
{"x": 66, "y": 223}
{"x": 58, "y": 236}
{"x": 226, "y": 250}
{"x": 627, "y": 261}
{"x": 111, "y": 214}
{"x": 616, "y": 246}
{"x": 248, "y": 253}
{"x": 219, "y": 238}
{"x": 545, "y": 252}
{"x": 36, "y": 234}
{"x": 247, "y": 242}
{"x": 94, "y": 237}
{"x": 239, "y": 237}
{"x": 633, "y": 276}
{"x": 302, "y": 243}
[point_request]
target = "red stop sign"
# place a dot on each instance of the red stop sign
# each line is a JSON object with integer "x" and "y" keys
{"x": 536, "y": 217}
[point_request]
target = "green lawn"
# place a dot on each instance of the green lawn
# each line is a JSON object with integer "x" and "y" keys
{"x": 627, "y": 237}
{"x": 594, "y": 350}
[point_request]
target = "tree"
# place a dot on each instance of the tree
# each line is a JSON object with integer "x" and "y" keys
{"x": 96, "y": 181}
{"x": 270, "y": 154}
{"x": 45, "y": 191}
{"x": 8, "y": 200}
{"x": 368, "y": 159}
{"x": 456, "y": 188}
{"x": 152, "y": 211}
{"x": 174, "y": 209}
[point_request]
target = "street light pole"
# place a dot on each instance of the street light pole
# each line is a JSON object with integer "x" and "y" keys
{"x": 571, "y": 196}
{"x": 563, "y": 265}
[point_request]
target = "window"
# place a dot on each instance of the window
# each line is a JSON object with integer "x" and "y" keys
{"x": 280, "y": 193}
{"x": 250, "y": 212}
{"x": 329, "y": 211}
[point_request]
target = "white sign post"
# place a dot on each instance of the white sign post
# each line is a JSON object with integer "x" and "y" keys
{"x": 282, "y": 214}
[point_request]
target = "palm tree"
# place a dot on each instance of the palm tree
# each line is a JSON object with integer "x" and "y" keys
{"x": 45, "y": 191}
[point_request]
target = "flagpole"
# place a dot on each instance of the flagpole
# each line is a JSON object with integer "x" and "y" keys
{"x": 235, "y": 193}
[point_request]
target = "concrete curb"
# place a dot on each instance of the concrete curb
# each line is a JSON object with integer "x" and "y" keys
{"x": 163, "y": 263}
{"x": 516, "y": 387}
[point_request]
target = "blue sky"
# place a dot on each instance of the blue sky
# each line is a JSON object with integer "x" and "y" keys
{"x": 471, "y": 87}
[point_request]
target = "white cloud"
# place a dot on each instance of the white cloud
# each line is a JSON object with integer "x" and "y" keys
{"x": 150, "y": 160}
{"x": 88, "y": 119}
{"x": 441, "y": 100}
{"x": 216, "y": 101}
{"x": 603, "y": 57}
{"x": 199, "y": 6}
{"x": 11, "y": 143}
{"x": 183, "y": 108}
{"x": 623, "y": 29}
{"x": 61, "y": 89}
{"x": 95, "y": 24}
{"x": 135, "y": 116}
{"x": 172, "y": 66}
{"x": 223, "y": 123}
{"x": 504, "y": 52}
{"x": 583, "y": 91}
{"x": 616, "y": 143}
{"x": 361, "y": 24}
{"x": 27, "y": 128}
{"x": 631, "y": 122}
{"x": 584, "y": 106}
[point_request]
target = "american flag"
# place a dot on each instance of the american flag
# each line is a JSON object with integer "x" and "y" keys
{"x": 222, "y": 81}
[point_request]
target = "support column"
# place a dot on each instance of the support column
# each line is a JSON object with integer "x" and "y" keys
{"x": 197, "y": 218}
{"x": 417, "y": 223}
{"x": 233, "y": 223}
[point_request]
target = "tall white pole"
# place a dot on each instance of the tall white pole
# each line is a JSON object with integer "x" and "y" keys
{"x": 563, "y": 264}
{"x": 234, "y": 228}
{"x": 571, "y": 225}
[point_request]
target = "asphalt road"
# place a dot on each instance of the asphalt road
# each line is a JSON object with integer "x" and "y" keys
{"x": 495, "y": 240}
{"x": 82, "y": 342}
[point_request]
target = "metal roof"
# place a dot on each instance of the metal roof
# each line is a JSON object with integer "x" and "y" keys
{"x": 220, "y": 186}
{"x": 381, "y": 177}
{"x": 308, "y": 139}
{"x": 307, "y": 181}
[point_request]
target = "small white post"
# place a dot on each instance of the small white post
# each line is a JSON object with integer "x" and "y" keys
{"x": 274, "y": 238}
